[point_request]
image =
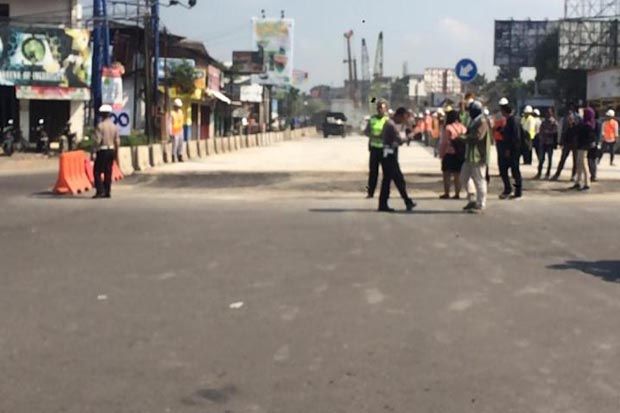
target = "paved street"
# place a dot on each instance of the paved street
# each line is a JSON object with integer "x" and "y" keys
{"x": 262, "y": 282}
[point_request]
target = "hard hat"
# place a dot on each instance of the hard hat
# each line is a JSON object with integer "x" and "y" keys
{"x": 41, "y": 121}
{"x": 528, "y": 110}
{"x": 536, "y": 112}
{"x": 449, "y": 109}
{"x": 390, "y": 112}
{"x": 504, "y": 102}
{"x": 441, "y": 112}
{"x": 611, "y": 113}
{"x": 105, "y": 109}
{"x": 10, "y": 122}
{"x": 427, "y": 112}
{"x": 486, "y": 112}
{"x": 178, "y": 103}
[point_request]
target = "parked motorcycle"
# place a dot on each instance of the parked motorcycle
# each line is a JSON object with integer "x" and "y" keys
{"x": 42, "y": 138}
{"x": 8, "y": 138}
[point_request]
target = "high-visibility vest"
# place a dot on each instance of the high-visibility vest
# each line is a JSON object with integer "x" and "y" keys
{"x": 610, "y": 130}
{"x": 529, "y": 124}
{"x": 376, "y": 130}
{"x": 177, "y": 121}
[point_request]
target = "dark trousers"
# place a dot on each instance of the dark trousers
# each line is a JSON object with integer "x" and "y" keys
{"x": 509, "y": 163}
{"x": 593, "y": 163}
{"x": 103, "y": 165}
{"x": 565, "y": 152}
{"x": 392, "y": 172}
{"x": 526, "y": 151}
{"x": 373, "y": 169}
{"x": 609, "y": 147}
{"x": 546, "y": 151}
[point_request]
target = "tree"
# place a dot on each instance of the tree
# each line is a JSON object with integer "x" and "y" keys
{"x": 182, "y": 78}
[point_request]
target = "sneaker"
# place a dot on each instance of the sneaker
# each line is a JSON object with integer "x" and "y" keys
{"x": 469, "y": 206}
{"x": 410, "y": 205}
{"x": 369, "y": 196}
{"x": 504, "y": 196}
{"x": 516, "y": 197}
{"x": 445, "y": 196}
{"x": 475, "y": 210}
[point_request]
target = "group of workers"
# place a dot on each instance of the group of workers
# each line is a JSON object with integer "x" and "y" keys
{"x": 463, "y": 137}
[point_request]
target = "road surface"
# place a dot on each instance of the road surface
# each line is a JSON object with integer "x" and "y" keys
{"x": 263, "y": 282}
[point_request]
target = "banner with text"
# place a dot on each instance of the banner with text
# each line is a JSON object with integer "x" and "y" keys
{"x": 275, "y": 38}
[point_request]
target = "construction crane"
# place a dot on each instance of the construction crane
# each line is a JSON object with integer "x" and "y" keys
{"x": 378, "y": 73}
{"x": 352, "y": 63}
{"x": 365, "y": 62}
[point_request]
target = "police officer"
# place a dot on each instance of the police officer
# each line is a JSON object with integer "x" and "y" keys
{"x": 374, "y": 130}
{"x": 393, "y": 137}
{"x": 105, "y": 148}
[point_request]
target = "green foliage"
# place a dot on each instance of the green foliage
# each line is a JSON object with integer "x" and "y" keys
{"x": 182, "y": 78}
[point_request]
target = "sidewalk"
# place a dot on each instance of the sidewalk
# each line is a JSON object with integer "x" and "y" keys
{"x": 20, "y": 164}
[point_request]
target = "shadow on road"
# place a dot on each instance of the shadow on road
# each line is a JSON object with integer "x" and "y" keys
{"x": 606, "y": 270}
{"x": 374, "y": 211}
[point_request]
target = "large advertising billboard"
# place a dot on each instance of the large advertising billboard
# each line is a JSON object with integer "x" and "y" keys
{"x": 44, "y": 57}
{"x": 275, "y": 38}
{"x": 516, "y": 41}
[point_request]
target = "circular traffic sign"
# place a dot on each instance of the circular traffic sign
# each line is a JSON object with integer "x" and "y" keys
{"x": 466, "y": 70}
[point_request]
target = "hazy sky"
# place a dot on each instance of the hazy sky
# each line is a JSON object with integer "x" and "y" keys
{"x": 424, "y": 34}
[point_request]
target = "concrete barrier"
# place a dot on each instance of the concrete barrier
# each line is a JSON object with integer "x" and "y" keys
{"x": 231, "y": 143}
{"x": 210, "y": 147}
{"x": 156, "y": 155}
{"x": 218, "y": 145}
{"x": 192, "y": 149}
{"x": 202, "y": 148}
{"x": 140, "y": 157}
{"x": 125, "y": 160}
{"x": 167, "y": 152}
{"x": 242, "y": 141}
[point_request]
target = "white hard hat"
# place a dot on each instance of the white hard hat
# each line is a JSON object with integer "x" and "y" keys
{"x": 528, "y": 110}
{"x": 178, "y": 103}
{"x": 504, "y": 102}
{"x": 428, "y": 112}
{"x": 536, "y": 112}
{"x": 486, "y": 112}
{"x": 105, "y": 109}
{"x": 441, "y": 112}
{"x": 611, "y": 113}
{"x": 390, "y": 112}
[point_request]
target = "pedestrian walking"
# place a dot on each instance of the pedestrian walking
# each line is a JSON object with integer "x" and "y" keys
{"x": 435, "y": 133}
{"x": 428, "y": 128}
{"x": 610, "y": 136}
{"x": 452, "y": 153}
{"x": 536, "y": 144}
{"x": 569, "y": 145}
{"x": 477, "y": 151}
{"x": 547, "y": 142}
{"x": 392, "y": 139}
{"x": 177, "y": 120}
{"x": 528, "y": 124}
{"x": 586, "y": 140}
{"x": 509, "y": 152}
{"x": 374, "y": 131}
{"x": 105, "y": 150}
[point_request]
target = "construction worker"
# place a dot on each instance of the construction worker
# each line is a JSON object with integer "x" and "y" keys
{"x": 536, "y": 143}
{"x": 610, "y": 136}
{"x": 528, "y": 123}
{"x": 435, "y": 131}
{"x": 105, "y": 150}
{"x": 509, "y": 151}
{"x": 177, "y": 118}
{"x": 393, "y": 137}
{"x": 428, "y": 127}
{"x": 374, "y": 130}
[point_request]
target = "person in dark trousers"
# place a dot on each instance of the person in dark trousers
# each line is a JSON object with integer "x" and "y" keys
{"x": 586, "y": 140}
{"x": 609, "y": 132}
{"x": 105, "y": 149}
{"x": 594, "y": 151}
{"x": 374, "y": 130}
{"x": 392, "y": 139}
{"x": 509, "y": 152}
{"x": 547, "y": 142}
{"x": 569, "y": 146}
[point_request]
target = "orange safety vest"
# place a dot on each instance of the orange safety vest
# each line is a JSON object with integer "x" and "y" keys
{"x": 177, "y": 121}
{"x": 610, "y": 130}
{"x": 435, "y": 130}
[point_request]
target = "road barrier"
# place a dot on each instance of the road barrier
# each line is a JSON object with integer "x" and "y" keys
{"x": 125, "y": 161}
{"x": 218, "y": 145}
{"x": 202, "y": 148}
{"x": 155, "y": 154}
{"x": 167, "y": 149}
{"x": 210, "y": 147}
{"x": 72, "y": 178}
{"x": 192, "y": 149}
{"x": 140, "y": 155}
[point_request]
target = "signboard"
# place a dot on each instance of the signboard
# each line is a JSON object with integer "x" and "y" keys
{"x": 516, "y": 41}
{"x": 112, "y": 86}
{"x": 248, "y": 63}
{"x": 44, "y": 57}
{"x": 466, "y": 70}
{"x": 214, "y": 78}
{"x": 275, "y": 38}
{"x": 251, "y": 93}
{"x": 122, "y": 119}
{"x": 167, "y": 65}
{"x": 604, "y": 84}
{"x": 52, "y": 93}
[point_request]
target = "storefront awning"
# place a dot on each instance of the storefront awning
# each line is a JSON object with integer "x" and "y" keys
{"x": 219, "y": 95}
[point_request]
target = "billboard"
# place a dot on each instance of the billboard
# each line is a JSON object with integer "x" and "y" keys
{"x": 248, "y": 63}
{"x": 275, "y": 38}
{"x": 251, "y": 93}
{"x": 54, "y": 57}
{"x": 516, "y": 41}
{"x": 588, "y": 44}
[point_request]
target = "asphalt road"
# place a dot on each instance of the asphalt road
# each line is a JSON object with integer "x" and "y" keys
{"x": 124, "y": 305}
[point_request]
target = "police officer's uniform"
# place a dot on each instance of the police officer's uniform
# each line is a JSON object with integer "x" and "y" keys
{"x": 107, "y": 141}
{"x": 374, "y": 131}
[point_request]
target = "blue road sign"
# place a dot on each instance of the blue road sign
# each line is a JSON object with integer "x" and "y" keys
{"x": 466, "y": 70}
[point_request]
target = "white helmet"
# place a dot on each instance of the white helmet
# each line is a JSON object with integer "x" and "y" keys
{"x": 611, "y": 113}
{"x": 486, "y": 112}
{"x": 528, "y": 110}
{"x": 105, "y": 109}
{"x": 427, "y": 112}
{"x": 178, "y": 103}
{"x": 504, "y": 102}
{"x": 536, "y": 112}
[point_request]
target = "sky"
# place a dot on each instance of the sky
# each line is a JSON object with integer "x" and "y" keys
{"x": 423, "y": 34}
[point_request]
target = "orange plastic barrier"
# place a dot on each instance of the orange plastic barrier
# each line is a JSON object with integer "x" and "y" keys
{"x": 72, "y": 178}
{"x": 89, "y": 168}
{"x": 117, "y": 175}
